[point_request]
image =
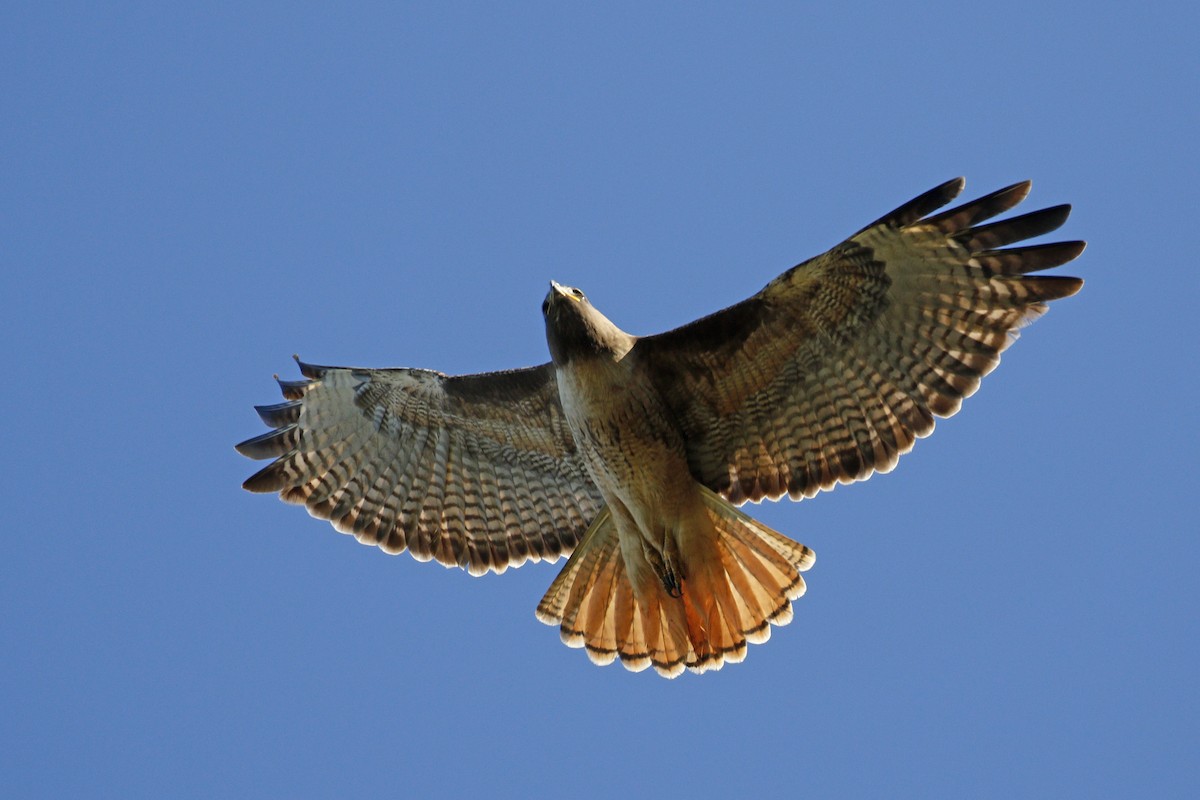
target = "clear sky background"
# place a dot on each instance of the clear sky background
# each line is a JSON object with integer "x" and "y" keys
{"x": 187, "y": 197}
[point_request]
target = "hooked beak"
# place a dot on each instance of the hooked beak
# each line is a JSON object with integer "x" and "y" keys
{"x": 558, "y": 290}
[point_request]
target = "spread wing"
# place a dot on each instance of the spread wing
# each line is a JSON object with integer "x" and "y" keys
{"x": 476, "y": 471}
{"x": 834, "y": 369}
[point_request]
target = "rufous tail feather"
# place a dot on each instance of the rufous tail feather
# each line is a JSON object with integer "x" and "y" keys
{"x": 739, "y": 578}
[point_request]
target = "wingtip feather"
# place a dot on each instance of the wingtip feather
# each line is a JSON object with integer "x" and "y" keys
{"x": 271, "y": 444}
{"x": 921, "y": 205}
{"x": 311, "y": 371}
{"x": 266, "y": 480}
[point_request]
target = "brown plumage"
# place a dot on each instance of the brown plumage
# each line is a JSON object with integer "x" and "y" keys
{"x": 631, "y": 451}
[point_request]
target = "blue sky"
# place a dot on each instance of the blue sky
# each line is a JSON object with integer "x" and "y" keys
{"x": 190, "y": 196}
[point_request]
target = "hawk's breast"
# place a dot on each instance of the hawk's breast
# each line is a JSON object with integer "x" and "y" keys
{"x": 630, "y": 443}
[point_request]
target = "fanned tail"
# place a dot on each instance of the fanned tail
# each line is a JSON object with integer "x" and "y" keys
{"x": 739, "y": 578}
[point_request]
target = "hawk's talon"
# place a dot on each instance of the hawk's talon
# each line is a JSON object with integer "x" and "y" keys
{"x": 672, "y": 573}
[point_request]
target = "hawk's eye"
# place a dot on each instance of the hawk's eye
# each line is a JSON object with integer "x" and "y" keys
{"x": 578, "y": 294}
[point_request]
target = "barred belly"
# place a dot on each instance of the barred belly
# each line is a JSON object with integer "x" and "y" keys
{"x": 631, "y": 445}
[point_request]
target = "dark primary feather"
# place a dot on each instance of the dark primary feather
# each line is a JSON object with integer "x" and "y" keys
{"x": 271, "y": 444}
{"x": 921, "y": 205}
{"x": 836, "y": 367}
{"x": 279, "y": 414}
{"x": 1015, "y": 229}
{"x": 292, "y": 390}
{"x": 984, "y": 208}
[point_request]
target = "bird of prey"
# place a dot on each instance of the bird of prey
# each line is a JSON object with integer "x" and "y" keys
{"x": 631, "y": 453}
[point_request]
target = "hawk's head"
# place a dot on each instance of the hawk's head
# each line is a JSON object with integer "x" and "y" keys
{"x": 575, "y": 329}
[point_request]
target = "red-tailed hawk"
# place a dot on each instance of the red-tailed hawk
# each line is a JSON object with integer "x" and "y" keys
{"x": 630, "y": 452}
